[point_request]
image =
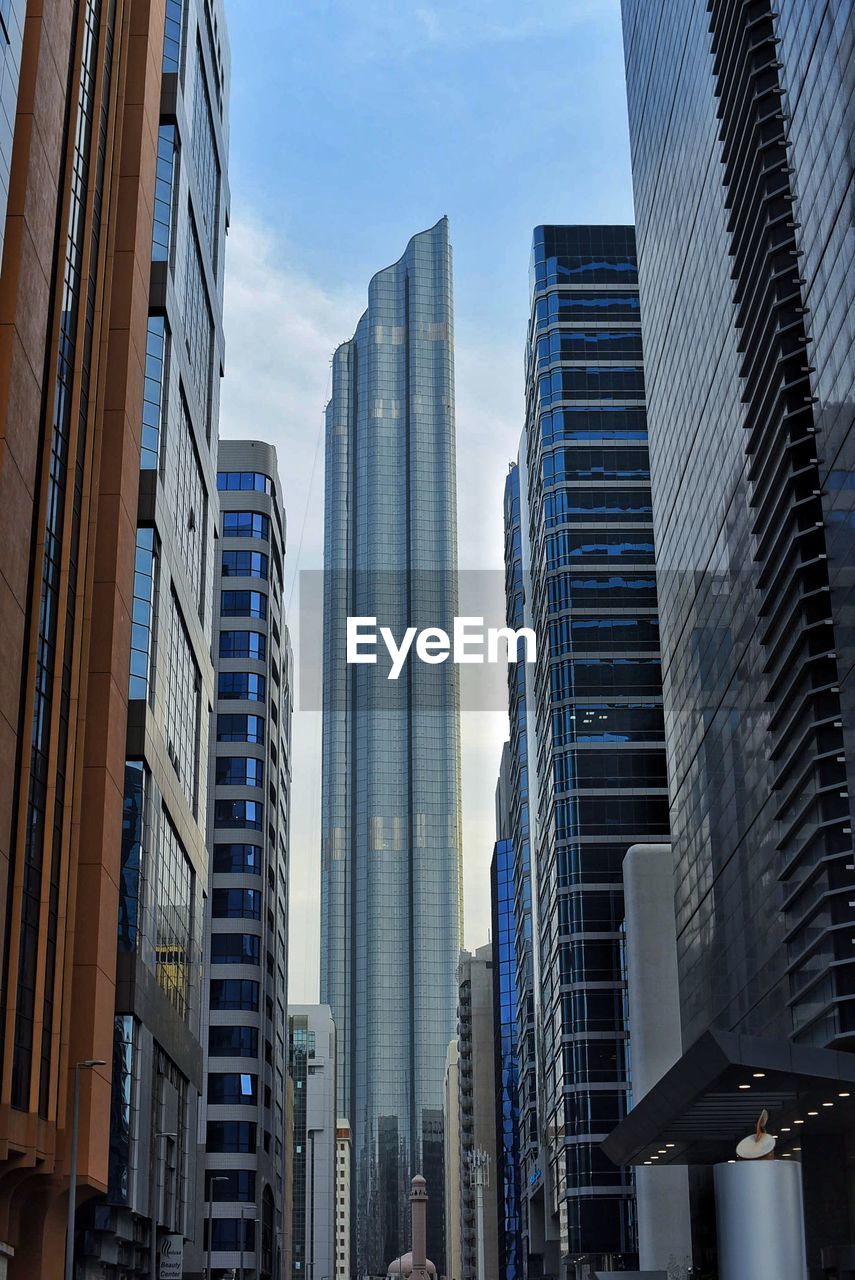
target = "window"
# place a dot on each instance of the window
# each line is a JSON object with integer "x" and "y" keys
{"x": 234, "y": 994}
{"x": 239, "y": 813}
{"x": 172, "y": 37}
{"x": 238, "y": 728}
{"x": 145, "y": 583}
{"x": 245, "y": 524}
{"x": 156, "y": 373}
{"x": 183, "y": 706}
{"x": 227, "y": 1233}
{"x": 190, "y": 497}
{"x": 232, "y": 1088}
{"x": 243, "y": 644}
{"x": 240, "y": 1186}
{"x": 236, "y": 904}
{"x": 239, "y": 771}
{"x": 134, "y": 841}
{"x": 244, "y": 564}
{"x": 233, "y": 1042}
{"x": 247, "y": 686}
{"x": 235, "y": 948}
{"x": 175, "y": 926}
{"x": 205, "y": 158}
{"x": 237, "y": 858}
{"x": 243, "y": 604}
{"x": 164, "y": 187}
{"x": 244, "y": 481}
{"x": 230, "y": 1135}
{"x": 198, "y": 325}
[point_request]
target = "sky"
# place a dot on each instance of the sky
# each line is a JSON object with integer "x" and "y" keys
{"x": 353, "y": 125}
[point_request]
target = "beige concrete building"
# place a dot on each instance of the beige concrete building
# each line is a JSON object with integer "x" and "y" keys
{"x": 477, "y": 1108}
{"x": 343, "y": 1140}
{"x": 451, "y": 1130}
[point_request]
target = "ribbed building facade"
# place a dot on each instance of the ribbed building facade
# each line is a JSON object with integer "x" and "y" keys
{"x": 595, "y": 734}
{"x": 390, "y": 888}
{"x": 476, "y": 1089}
{"x": 741, "y": 120}
{"x": 240, "y": 1183}
{"x": 107, "y": 504}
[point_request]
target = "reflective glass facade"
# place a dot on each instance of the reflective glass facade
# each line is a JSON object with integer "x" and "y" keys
{"x": 391, "y": 904}
{"x": 508, "y": 1167}
{"x": 595, "y": 749}
{"x": 743, "y": 196}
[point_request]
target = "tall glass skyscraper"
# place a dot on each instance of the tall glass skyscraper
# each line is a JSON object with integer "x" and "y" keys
{"x": 594, "y": 736}
{"x": 742, "y": 121}
{"x": 391, "y": 886}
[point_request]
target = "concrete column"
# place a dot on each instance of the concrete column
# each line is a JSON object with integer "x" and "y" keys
{"x": 662, "y": 1195}
{"x": 760, "y": 1220}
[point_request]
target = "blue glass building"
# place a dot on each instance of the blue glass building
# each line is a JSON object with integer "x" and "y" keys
{"x": 390, "y": 887}
{"x": 594, "y": 729}
{"x": 508, "y": 1166}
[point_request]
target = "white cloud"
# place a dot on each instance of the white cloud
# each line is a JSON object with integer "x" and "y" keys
{"x": 386, "y": 29}
{"x": 281, "y": 331}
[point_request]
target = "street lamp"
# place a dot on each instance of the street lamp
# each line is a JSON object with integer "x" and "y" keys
{"x": 218, "y": 1178}
{"x": 86, "y": 1065}
{"x": 153, "y": 1189}
{"x": 243, "y": 1235}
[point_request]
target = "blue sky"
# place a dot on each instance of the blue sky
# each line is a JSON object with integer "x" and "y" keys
{"x": 354, "y": 124}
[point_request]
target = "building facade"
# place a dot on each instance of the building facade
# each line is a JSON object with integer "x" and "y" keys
{"x": 343, "y": 1158}
{"x": 158, "y": 1054}
{"x": 515, "y": 821}
{"x": 242, "y": 1154}
{"x": 594, "y": 725}
{"x": 11, "y": 45}
{"x": 390, "y": 887}
{"x": 313, "y": 1046}
{"x": 477, "y": 1113}
{"x": 102, "y": 834}
{"x": 747, "y": 311}
{"x": 505, "y": 1055}
{"x": 451, "y": 1152}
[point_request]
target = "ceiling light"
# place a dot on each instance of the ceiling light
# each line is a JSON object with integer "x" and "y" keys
{"x": 828, "y": 1104}
{"x": 670, "y": 1145}
{"x": 759, "y": 1075}
{"x": 843, "y": 1095}
{"x": 745, "y": 1086}
{"x": 785, "y": 1128}
{"x": 798, "y": 1122}
{"x": 813, "y": 1113}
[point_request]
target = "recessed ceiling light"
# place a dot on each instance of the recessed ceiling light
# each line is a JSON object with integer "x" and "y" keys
{"x": 669, "y": 1145}
{"x": 843, "y": 1095}
{"x": 828, "y": 1104}
{"x": 759, "y": 1075}
{"x": 798, "y": 1122}
{"x": 647, "y": 1162}
{"x": 786, "y": 1155}
{"x": 662, "y": 1151}
{"x": 745, "y": 1086}
{"x": 813, "y": 1113}
{"x": 797, "y": 1148}
{"x": 785, "y": 1128}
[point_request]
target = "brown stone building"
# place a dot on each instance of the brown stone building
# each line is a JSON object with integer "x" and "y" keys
{"x": 89, "y": 281}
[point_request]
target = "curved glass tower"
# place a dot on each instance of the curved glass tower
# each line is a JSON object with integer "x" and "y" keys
{"x": 391, "y": 884}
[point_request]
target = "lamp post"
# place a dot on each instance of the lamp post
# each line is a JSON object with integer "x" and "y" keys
{"x": 86, "y": 1065}
{"x": 257, "y": 1222}
{"x": 153, "y": 1199}
{"x": 221, "y": 1178}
